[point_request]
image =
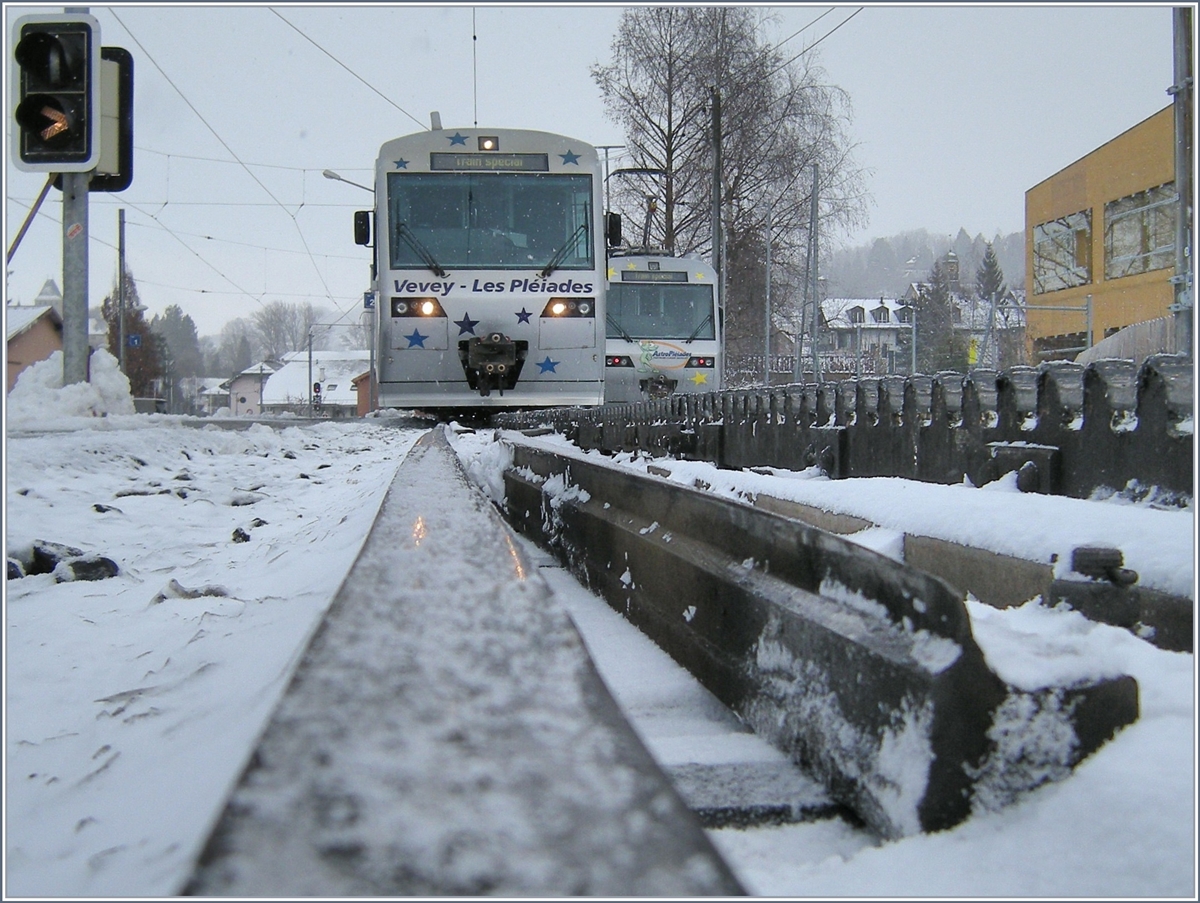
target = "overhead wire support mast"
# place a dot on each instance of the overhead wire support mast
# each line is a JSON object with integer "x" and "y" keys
{"x": 29, "y": 218}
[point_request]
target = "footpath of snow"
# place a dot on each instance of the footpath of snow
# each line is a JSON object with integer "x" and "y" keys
{"x": 132, "y": 703}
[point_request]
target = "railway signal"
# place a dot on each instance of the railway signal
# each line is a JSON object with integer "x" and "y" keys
{"x": 56, "y": 79}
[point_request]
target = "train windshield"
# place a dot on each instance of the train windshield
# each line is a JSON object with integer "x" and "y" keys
{"x": 490, "y": 220}
{"x": 660, "y": 311}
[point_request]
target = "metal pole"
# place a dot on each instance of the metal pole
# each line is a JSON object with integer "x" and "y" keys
{"x": 29, "y": 218}
{"x": 987, "y": 336}
{"x": 767, "y": 309}
{"x": 310, "y": 379}
{"x": 121, "y": 288}
{"x": 1182, "y": 92}
{"x": 913, "y": 369}
{"x": 606, "y": 148}
{"x": 814, "y": 245}
{"x": 718, "y": 263}
{"x": 1088, "y": 308}
{"x": 75, "y": 276}
{"x": 75, "y": 268}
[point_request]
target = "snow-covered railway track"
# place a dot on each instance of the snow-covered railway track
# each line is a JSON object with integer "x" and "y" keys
{"x": 446, "y": 733}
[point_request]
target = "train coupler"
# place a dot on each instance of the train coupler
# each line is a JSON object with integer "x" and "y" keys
{"x": 492, "y": 362}
{"x": 658, "y": 386}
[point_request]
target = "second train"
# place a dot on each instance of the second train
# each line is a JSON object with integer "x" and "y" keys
{"x": 663, "y": 332}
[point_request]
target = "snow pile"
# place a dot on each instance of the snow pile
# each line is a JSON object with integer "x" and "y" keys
{"x": 40, "y": 398}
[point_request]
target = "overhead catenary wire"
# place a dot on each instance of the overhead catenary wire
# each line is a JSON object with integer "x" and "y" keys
{"x": 303, "y": 169}
{"x": 348, "y": 69}
{"x": 803, "y": 29}
{"x": 784, "y": 65}
{"x": 196, "y": 254}
{"x": 232, "y": 153}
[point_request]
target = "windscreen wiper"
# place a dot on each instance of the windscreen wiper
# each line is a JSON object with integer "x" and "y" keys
{"x": 421, "y": 251}
{"x": 620, "y": 329}
{"x": 561, "y": 254}
{"x": 696, "y": 331}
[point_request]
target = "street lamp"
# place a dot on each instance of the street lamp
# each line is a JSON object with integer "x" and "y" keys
{"x": 330, "y": 174}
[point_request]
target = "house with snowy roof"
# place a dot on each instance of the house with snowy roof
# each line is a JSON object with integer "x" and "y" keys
{"x": 246, "y": 388}
{"x": 862, "y": 335}
{"x": 33, "y": 331}
{"x": 288, "y": 389}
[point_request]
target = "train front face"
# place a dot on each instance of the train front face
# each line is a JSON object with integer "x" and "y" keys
{"x": 663, "y": 329}
{"x": 491, "y": 287}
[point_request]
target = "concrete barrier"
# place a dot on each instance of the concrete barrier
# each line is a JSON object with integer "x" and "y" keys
{"x": 445, "y": 733}
{"x": 863, "y": 670}
{"x": 1108, "y": 426}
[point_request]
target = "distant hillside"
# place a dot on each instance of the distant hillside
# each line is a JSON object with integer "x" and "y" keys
{"x": 886, "y": 266}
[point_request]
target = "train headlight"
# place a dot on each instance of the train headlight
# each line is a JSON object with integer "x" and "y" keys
{"x": 570, "y": 307}
{"x": 489, "y": 143}
{"x": 704, "y": 363}
{"x": 618, "y": 360}
{"x": 417, "y": 307}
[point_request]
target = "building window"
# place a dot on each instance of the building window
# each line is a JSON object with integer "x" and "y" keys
{"x": 1139, "y": 232}
{"x": 1062, "y": 253}
{"x": 880, "y": 315}
{"x": 857, "y": 315}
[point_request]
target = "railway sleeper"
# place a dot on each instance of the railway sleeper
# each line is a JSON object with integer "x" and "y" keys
{"x": 862, "y": 669}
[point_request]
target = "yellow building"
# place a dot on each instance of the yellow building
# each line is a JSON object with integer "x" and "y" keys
{"x": 1102, "y": 228}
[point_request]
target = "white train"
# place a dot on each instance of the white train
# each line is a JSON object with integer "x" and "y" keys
{"x": 489, "y": 270}
{"x": 663, "y": 328}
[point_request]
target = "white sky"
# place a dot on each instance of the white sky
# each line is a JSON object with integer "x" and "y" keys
{"x": 958, "y": 111}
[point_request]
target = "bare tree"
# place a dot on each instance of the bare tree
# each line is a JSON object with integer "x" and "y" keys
{"x": 236, "y": 349}
{"x": 778, "y": 119}
{"x": 282, "y": 327}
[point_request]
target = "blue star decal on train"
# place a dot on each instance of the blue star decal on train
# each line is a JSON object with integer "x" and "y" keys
{"x": 547, "y": 366}
{"x": 416, "y": 340}
{"x": 466, "y": 325}
{"x": 457, "y": 138}
{"x": 523, "y": 315}
{"x": 401, "y": 163}
{"x": 570, "y": 157}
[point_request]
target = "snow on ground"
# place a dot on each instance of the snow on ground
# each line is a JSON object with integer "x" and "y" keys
{"x": 132, "y": 703}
